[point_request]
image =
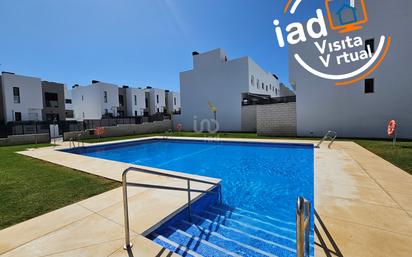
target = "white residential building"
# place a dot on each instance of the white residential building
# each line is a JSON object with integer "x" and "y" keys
{"x": 22, "y": 98}
{"x": 136, "y": 101}
{"x": 173, "y": 104}
{"x": 215, "y": 80}
{"x": 364, "y": 108}
{"x": 155, "y": 100}
{"x": 96, "y": 100}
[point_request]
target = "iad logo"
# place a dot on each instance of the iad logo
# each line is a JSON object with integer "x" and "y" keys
{"x": 343, "y": 16}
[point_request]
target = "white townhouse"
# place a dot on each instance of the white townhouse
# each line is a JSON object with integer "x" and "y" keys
{"x": 361, "y": 109}
{"x": 95, "y": 101}
{"x": 21, "y": 98}
{"x": 218, "y": 81}
{"x": 136, "y": 101}
{"x": 155, "y": 101}
{"x": 173, "y": 104}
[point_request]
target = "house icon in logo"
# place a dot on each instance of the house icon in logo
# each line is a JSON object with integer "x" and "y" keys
{"x": 347, "y": 14}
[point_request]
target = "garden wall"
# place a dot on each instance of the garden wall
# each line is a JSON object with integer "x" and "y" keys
{"x": 25, "y": 139}
{"x": 125, "y": 130}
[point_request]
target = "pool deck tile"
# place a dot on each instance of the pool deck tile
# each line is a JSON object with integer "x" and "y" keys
{"x": 361, "y": 201}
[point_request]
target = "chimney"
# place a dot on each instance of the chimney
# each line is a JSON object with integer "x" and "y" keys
{"x": 276, "y": 77}
{"x": 75, "y": 85}
{"x": 195, "y": 53}
{"x": 125, "y": 86}
{"x": 95, "y": 81}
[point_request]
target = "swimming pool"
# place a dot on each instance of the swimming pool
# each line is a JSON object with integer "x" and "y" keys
{"x": 258, "y": 179}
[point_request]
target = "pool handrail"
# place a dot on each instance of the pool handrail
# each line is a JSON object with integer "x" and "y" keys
{"x": 128, "y": 244}
{"x": 331, "y": 135}
{"x": 302, "y": 227}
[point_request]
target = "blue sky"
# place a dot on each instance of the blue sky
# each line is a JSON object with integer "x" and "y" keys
{"x": 137, "y": 42}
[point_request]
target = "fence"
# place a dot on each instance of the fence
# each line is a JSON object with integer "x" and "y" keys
{"x": 43, "y": 127}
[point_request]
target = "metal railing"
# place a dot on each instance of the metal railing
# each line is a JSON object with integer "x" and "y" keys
{"x": 72, "y": 142}
{"x": 331, "y": 135}
{"x": 302, "y": 227}
{"x": 129, "y": 245}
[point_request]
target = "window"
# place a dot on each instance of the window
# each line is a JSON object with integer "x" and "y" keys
{"x": 276, "y": 91}
{"x": 258, "y": 84}
{"x": 135, "y": 100}
{"x": 146, "y": 102}
{"x": 105, "y": 96}
{"x": 17, "y": 116}
{"x": 157, "y": 98}
{"x": 135, "y": 113}
{"x": 263, "y": 85}
{"x": 52, "y": 100}
{"x": 252, "y": 80}
{"x": 174, "y": 100}
{"x": 369, "y": 86}
{"x": 68, "y": 101}
{"x": 266, "y": 87}
{"x": 158, "y": 110}
{"x": 370, "y": 43}
{"x": 82, "y": 97}
{"x": 106, "y": 111}
{"x": 16, "y": 95}
{"x": 121, "y": 100}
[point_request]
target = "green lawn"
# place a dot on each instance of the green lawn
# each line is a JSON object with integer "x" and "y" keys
{"x": 30, "y": 187}
{"x": 400, "y": 155}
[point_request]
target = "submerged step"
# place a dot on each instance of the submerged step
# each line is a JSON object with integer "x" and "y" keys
{"x": 240, "y": 238}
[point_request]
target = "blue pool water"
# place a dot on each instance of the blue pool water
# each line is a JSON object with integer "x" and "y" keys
{"x": 260, "y": 183}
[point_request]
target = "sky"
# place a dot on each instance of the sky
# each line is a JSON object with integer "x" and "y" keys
{"x": 138, "y": 42}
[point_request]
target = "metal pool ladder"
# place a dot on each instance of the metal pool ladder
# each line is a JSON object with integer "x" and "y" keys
{"x": 129, "y": 245}
{"x": 302, "y": 227}
{"x": 331, "y": 135}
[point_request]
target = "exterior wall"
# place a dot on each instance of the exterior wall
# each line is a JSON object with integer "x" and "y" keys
{"x": 322, "y": 106}
{"x": 25, "y": 139}
{"x": 1, "y": 103}
{"x": 88, "y": 101}
{"x": 31, "y": 99}
{"x": 285, "y": 91}
{"x": 276, "y": 119}
{"x": 262, "y": 82}
{"x": 220, "y": 81}
{"x": 137, "y": 106}
{"x": 54, "y": 108}
{"x": 170, "y": 102}
{"x": 127, "y": 130}
{"x": 154, "y": 105}
{"x": 249, "y": 120}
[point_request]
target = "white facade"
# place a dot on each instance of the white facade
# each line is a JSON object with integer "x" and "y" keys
{"x": 173, "y": 104}
{"x": 135, "y": 99}
{"x": 68, "y": 98}
{"x": 22, "y": 97}
{"x": 95, "y": 100}
{"x": 156, "y": 100}
{"x": 221, "y": 82}
{"x": 323, "y": 106}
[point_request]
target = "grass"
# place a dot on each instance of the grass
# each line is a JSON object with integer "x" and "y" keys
{"x": 30, "y": 187}
{"x": 401, "y": 155}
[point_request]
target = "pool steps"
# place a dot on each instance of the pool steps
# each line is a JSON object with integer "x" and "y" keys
{"x": 222, "y": 231}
